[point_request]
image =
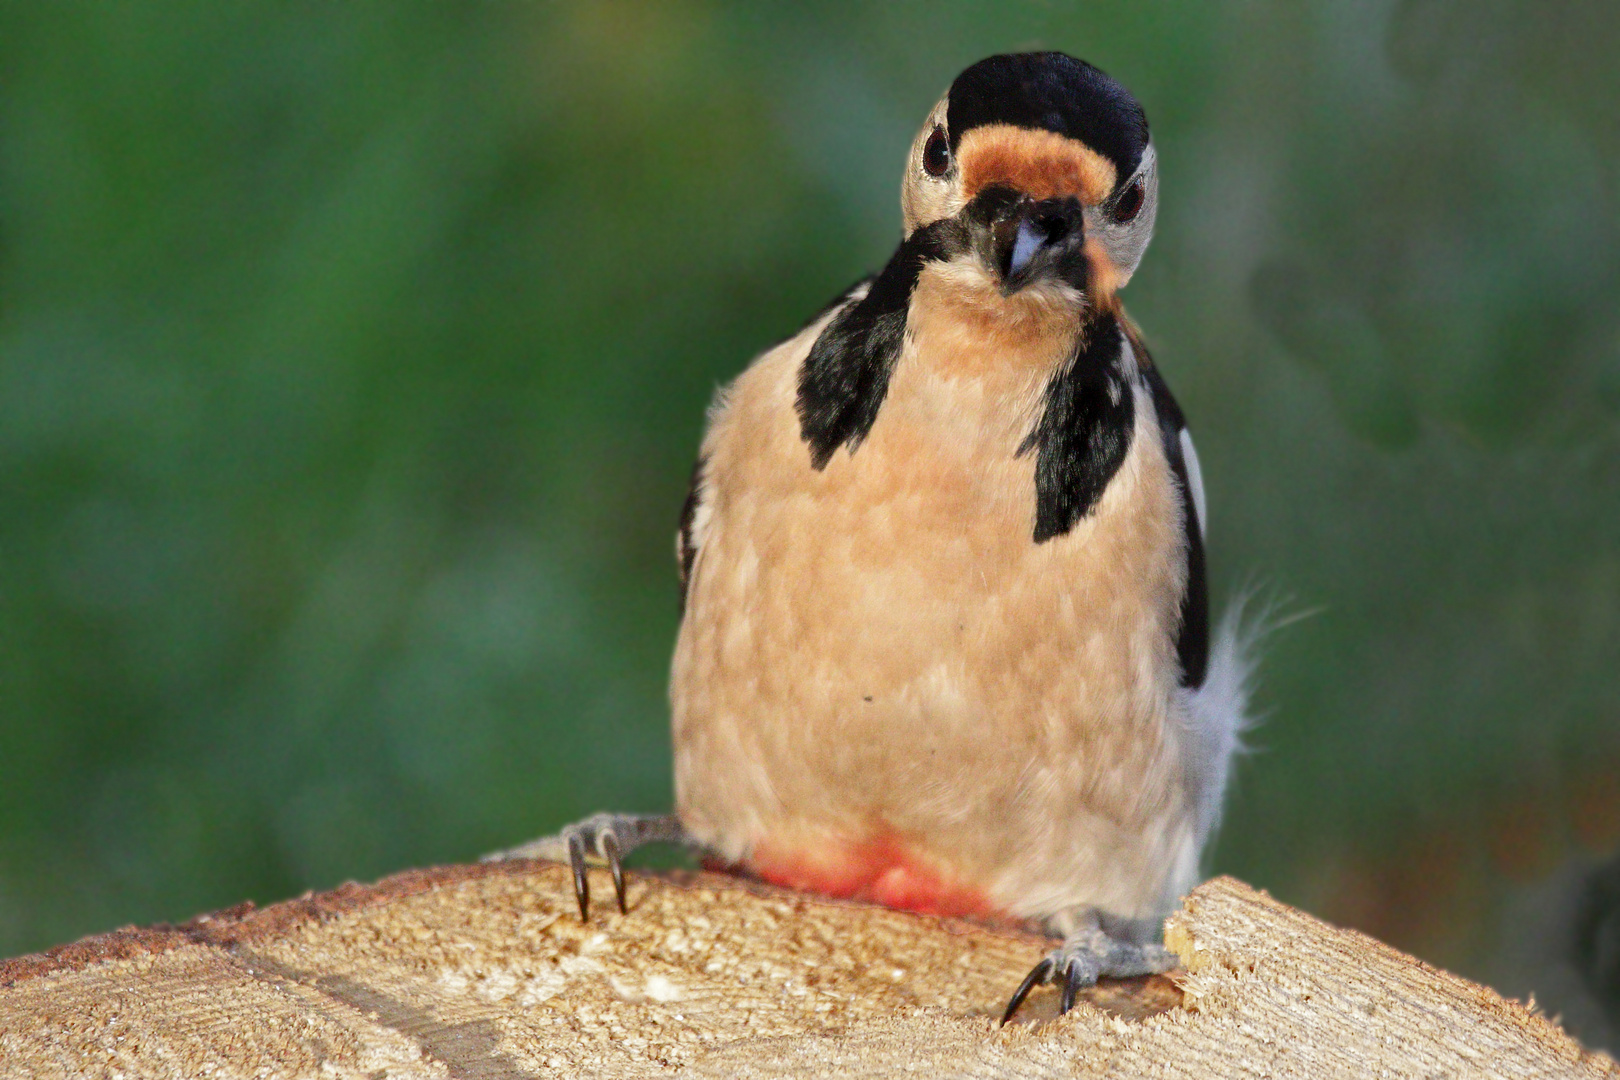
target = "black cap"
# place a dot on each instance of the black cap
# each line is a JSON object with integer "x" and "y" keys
{"x": 1054, "y": 92}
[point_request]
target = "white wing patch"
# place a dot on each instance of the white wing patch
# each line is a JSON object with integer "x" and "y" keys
{"x": 702, "y": 515}
{"x": 1195, "y": 480}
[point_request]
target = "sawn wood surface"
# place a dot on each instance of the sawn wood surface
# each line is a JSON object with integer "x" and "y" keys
{"x": 486, "y": 971}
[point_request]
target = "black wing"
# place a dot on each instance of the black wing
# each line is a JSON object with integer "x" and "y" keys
{"x": 1192, "y": 641}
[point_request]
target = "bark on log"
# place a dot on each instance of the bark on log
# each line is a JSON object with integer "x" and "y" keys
{"x": 486, "y": 971}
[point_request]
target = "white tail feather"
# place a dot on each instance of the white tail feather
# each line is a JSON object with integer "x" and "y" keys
{"x": 1216, "y": 714}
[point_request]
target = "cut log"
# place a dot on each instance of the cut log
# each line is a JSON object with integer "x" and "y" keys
{"x": 486, "y": 971}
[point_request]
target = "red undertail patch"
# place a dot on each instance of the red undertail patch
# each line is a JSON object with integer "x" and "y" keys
{"x": 882, "y": 870}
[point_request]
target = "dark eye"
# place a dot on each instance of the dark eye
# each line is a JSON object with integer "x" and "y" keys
{"x": 1129, "y": 203}
{"x": 937, "y": 153}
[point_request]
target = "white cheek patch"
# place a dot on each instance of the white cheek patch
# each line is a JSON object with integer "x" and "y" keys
{"x": 1195, "y": 480}
{"x": 1126, "y": 243}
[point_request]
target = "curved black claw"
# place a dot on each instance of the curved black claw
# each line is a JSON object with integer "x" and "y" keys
{"x": 1074, "y": 979}
{"x": 1040, "y": 973}
{"x": 610, "y": 851}
{"x": 582, "y": 884}
{"x": 611, "y": 836}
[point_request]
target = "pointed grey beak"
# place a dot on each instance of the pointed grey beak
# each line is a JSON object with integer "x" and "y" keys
{"x": 1029, "y": 240}
{"x": 1025, "y": 241}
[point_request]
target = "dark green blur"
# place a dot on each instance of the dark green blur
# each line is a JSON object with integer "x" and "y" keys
{"x": 353, "y": 357}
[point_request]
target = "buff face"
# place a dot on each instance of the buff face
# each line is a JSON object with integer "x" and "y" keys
{"x": 1043, "y": 154}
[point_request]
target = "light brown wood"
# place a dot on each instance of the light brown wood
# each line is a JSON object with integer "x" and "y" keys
{"x": 486, "y": 971}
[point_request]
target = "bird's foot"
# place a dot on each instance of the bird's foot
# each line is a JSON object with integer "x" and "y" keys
{"x": 603, "y": 838}
{"x": 1087, "y": 955}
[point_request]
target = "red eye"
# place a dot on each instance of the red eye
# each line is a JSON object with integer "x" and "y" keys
{"x": 1129, "y": 204}
{"x": 937, "y": 153}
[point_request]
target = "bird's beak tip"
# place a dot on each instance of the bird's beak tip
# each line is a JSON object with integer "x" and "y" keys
{"x": 1024, "y": 239}
{"x": 1025, "y": 244}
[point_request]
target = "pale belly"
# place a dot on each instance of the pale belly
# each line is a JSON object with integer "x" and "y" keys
{"x": 883, "y": 688}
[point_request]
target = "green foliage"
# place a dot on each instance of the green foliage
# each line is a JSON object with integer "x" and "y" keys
{"x": 352, "y": 360}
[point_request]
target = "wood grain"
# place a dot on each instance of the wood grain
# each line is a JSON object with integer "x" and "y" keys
{"x": 487, "y": 972}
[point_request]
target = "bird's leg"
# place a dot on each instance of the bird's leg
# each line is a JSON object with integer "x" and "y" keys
{"x": 1098, "y": 947}
{"x": 607, "y": 837}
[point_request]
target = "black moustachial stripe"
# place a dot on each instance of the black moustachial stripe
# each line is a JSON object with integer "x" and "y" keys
{"x": 694, "y": 495}
{"x": 1192, "y": 640}
{"x": 1055, "y": 92}
{"x": 846, "y": 376}
{"x": 1084, "y": 432}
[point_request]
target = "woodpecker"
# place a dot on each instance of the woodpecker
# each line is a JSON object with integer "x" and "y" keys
{"x": 945, "y": 634}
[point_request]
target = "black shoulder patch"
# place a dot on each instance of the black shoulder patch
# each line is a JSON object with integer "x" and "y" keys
{"x": 846, "y": 375}
{"x": 1084, "y": 432}
{"x": 1055, "y": 92}
{"x": 1192, "y": 639}
{"x": 688, "y": 549}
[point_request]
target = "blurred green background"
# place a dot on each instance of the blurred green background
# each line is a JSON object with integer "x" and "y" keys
{"x": 353, "y": 357}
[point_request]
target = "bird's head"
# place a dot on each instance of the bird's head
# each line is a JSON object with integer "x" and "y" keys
{"x": 1042, "y": 168}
